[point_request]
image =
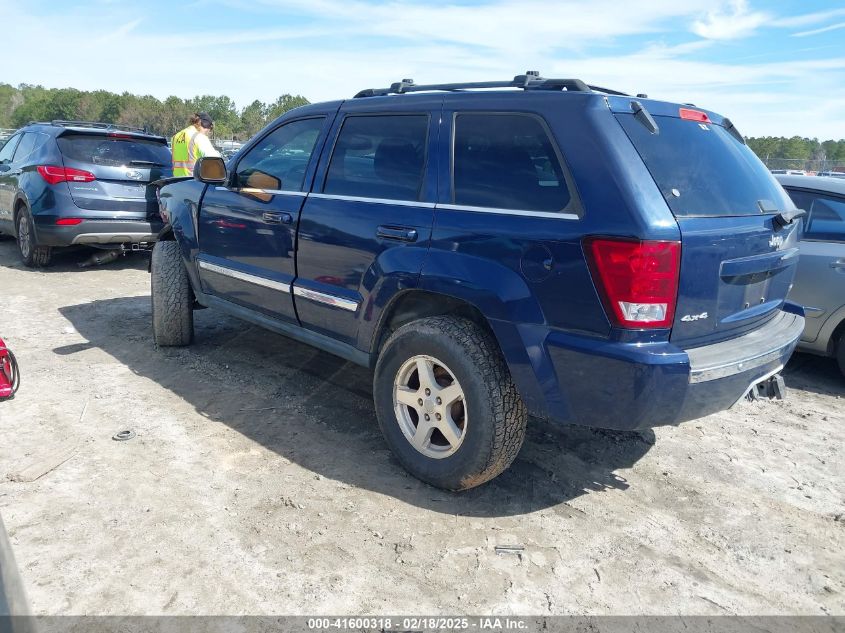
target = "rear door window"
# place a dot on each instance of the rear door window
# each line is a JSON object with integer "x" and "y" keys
{"x": 379, "y": 157}
{"x": 278, "y": 161}
{"x": 508, "y": 161}
{"x": 702, "y": 170}
{"x": 825, "y": 219}
{"x": 114, "y": 151}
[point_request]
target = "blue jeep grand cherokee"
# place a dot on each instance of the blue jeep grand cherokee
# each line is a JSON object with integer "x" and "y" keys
{"x": 493, "y": 251}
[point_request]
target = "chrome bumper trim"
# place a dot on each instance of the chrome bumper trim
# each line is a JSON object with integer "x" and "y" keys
{"x": 113, "y": 238}
{"x": 755, "y": 349}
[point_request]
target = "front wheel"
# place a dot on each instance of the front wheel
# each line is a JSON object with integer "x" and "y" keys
{"x": 172, "y": 297}
{"x": 840, "y": 353}
{"x": 32, "y": 255}
{"x": 446, "y": 403}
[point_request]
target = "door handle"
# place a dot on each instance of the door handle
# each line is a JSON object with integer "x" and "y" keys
{"x": 839, "y": 265}
{"x": 277, "y": 218}
{"x": 394, "y": 233}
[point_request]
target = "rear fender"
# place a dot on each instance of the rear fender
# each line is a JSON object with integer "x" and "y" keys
{"x": 833, "y": 327}
{"x": 508, "y": 305}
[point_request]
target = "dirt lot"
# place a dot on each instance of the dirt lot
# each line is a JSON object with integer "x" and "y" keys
{"x": 259, "y": 483}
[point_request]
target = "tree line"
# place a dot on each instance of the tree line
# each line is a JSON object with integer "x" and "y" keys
{"x": 24, "y": 103}
{"x": 801, "y": 153}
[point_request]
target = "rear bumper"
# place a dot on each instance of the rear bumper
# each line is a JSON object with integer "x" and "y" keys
{"x": 632, "y": 386}
{"x": 96, "y": 231}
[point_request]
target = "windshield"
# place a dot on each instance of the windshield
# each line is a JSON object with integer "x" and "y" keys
{"x": 702, "y": 170}
{"x": 114, "y": 152}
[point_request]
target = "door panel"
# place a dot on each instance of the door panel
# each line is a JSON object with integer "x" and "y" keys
{"x": 820, "y": 282}
{"x": 247, "y": 230}
{"x": 370, "y": 219}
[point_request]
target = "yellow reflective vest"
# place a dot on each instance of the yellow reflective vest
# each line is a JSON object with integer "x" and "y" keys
{"x": 188, "y": 146}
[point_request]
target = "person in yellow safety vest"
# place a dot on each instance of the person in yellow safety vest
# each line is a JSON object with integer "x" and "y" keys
{"x": 191, "y": 144}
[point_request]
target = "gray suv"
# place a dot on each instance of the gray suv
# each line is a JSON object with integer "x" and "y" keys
{"x": 820, "y": 280}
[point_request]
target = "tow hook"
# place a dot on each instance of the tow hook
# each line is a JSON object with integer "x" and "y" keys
{"x": 771, "y": 388}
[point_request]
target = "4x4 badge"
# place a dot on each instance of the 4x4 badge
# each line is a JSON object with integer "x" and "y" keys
{"x": 695, "y": 317}
{"x": 776, "y": 241}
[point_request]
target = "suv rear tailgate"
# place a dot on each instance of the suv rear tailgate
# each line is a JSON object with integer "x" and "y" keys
{"x": 123, "y": 164}
{"x": 737, "y": 263}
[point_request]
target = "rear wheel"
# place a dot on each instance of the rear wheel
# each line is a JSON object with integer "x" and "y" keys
{"x": 446, "y": 403}
{"x": 32, "y": 255}
{"x": 172, "y": 297}
{"x": 840, "y": 352}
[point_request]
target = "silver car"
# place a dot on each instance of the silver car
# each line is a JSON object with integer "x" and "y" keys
{"x": 820, "y": 280}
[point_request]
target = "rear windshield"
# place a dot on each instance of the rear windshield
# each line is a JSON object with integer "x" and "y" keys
{"x": 702, "y": 170}
{"x": 114, "y": 152}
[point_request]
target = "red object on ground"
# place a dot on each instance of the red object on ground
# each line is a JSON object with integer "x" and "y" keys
{"x": 9, "y": 376}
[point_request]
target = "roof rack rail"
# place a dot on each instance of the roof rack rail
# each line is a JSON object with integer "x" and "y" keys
{"x": 99, "y": 125}
{"x": 531, "y": 80}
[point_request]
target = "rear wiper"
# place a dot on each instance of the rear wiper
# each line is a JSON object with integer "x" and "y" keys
{"x": 146, "y": 162}
{"x": 785, "y": 218}
{"x": 644, "y": 116}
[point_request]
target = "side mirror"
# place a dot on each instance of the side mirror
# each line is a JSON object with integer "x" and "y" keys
{"x": 210, "y": 170}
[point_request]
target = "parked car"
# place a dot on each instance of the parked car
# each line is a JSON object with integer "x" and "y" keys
{"x": 820, "y": 280}
{"x": 794, "y": 172}
{"x": 832, "y": 174}
{"x": 72, "y": 182}
{"x": 536, "y": 247}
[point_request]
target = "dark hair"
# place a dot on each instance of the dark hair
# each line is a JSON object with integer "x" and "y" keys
{"x": 202, "y": 119}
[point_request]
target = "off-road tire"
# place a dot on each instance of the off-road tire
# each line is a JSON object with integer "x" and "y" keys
{"x": 840, "y": 352}
{"x": 32, "y": 255}
{"x": 496, "y": 416}
{"x": 172, "y": 297}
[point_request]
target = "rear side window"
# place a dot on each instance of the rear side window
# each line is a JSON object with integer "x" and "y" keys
{"x": 508, "y": 161}
{"x": 379, "y": 157}
{"x": 825, "y": 215}
{"x": 8, "y": 150}
{"x": 114, "y": 151}
{"x": 30, "y": 143}
{"x": 701, "y": 169}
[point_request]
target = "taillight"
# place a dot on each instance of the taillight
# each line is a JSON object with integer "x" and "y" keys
{"x": 68, "y": 221}
{"x": 54, "y": 174}
{"x": 694, "y": 115}
{"x": 637, "y": 281}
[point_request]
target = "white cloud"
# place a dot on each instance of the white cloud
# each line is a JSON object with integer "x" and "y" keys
{"x": 832, "y": 27}
{"x": 729, "y": 22}
{"x": 808, "y": 18}
{"x": 335, "y": 49}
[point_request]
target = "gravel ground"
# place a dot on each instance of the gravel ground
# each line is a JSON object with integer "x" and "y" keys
{"x": 258, "y": 483}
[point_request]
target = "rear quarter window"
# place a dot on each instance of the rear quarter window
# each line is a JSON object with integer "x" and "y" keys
{"x": 508, "y": 161}
{"x": 701, "y": 169}
{"x": 113, "y": 151}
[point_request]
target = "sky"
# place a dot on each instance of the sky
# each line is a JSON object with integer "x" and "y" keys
{"x": 776, "y": 67}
